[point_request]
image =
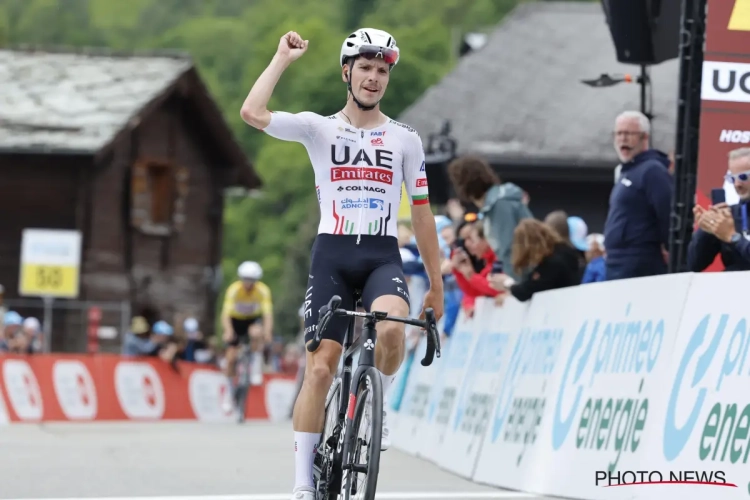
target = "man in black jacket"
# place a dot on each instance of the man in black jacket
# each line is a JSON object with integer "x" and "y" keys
{"x": 637, "y": 227}
{"x": 723, "y": 229}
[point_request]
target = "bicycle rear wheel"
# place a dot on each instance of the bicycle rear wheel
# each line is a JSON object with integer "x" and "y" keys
{"x": 365, "y": 435}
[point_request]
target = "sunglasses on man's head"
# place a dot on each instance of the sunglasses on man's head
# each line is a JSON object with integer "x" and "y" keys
{"x": 743, "y": 176}
{"x": 370, "y": 52}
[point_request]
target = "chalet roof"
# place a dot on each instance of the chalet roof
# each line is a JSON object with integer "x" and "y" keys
{"x": 519, "y": 99}
{"x": 77, "y": 101}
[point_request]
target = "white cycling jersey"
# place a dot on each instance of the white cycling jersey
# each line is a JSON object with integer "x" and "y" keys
{"x": 358, "y": 172}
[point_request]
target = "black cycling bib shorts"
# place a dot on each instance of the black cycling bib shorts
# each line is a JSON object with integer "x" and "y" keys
{"x": 339, "y": 266}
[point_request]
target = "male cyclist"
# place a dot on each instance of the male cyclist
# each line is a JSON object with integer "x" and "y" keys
{"x": 247, "y": 316}
{"x": 360, "y": 158}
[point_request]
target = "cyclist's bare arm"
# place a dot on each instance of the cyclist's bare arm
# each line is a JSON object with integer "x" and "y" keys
{"x": 226, "y": 323}
{"x": 255, "y": 108}
{"x": 268, "y": 326}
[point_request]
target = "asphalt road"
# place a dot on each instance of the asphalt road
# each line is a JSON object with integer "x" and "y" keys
{"x": 189, "y": 461}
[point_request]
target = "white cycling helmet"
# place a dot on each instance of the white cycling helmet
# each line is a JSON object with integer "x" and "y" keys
{"x": 250, "y": 270}
{"x": 369, "y": 42}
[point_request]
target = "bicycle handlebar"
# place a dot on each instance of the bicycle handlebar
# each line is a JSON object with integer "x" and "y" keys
{"x": 328, "y": 311}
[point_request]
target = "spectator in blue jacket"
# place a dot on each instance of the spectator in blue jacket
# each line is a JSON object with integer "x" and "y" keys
{"x": 637, "y": 226}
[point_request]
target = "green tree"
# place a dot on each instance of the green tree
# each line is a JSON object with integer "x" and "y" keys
{"x": 231, "y": 42}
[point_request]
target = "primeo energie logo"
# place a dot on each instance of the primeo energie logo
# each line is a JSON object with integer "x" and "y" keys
{"x": 521, "y": 399}
{"x": 714, "y": 364}
{"x": 622, "y": 352}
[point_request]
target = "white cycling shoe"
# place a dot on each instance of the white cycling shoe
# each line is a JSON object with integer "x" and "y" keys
{"x": 303, "y": 494}
{"x": 385, "y": 435}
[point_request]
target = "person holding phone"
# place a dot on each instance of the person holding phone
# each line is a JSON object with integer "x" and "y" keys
{"x": 472, "y": 260}
{"x": 723, "y": 229}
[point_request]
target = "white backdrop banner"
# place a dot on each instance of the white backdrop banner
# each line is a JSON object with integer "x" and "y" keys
{"x": 444, "y": 388}
{"x": 635, "y": 381}
{"x": 704, "y": 427}
{"x": 618, "y": 345}
{"x": 498, "y": 330}
{"x": 416, "y": 398}
{"x": 524, "y": 393}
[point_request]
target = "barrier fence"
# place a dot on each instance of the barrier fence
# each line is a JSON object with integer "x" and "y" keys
{"x": 560, "y": 395}
{"x": 104, "y": 387}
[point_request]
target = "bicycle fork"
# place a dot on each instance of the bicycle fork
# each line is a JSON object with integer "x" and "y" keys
{"x": 346, "y": 442}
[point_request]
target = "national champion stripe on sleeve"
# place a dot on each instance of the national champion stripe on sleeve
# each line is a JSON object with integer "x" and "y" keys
{"x": 421, "y": 199}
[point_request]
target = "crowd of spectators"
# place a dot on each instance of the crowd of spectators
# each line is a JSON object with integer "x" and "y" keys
{"x": 187, "y": 343}
{"x": 492, "y": 244}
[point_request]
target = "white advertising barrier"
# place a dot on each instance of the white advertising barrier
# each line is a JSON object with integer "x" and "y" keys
{"x": 705, "y": 423}
{"x": 498, "y": 330}
{"x": 443, "y": 394}
{"x": 525, "y": 391}
{"x": 415, "y": 400}
{"x": 617, "y": 349}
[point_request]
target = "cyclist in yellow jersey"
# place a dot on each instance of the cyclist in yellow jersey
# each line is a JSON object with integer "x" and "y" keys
{"x": 247, "y": 313}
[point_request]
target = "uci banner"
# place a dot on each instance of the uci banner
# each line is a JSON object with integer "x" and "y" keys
{"x": 578, "y": 399}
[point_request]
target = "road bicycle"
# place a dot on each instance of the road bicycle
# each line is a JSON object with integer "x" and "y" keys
{"x": 337, "y": 465}
{"x": 244, "y": 365}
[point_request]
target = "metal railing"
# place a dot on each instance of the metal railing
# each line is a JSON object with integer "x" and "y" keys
{"x": 70, "y": 325}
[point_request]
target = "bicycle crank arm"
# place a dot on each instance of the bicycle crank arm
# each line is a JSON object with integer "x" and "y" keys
{"x": 358, "y": 468}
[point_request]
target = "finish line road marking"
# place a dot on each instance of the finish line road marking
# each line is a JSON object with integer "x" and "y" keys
{"x": 474, "y": 495}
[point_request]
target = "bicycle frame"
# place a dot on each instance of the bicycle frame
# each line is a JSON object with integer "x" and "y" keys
{"x": 366, "y": 359}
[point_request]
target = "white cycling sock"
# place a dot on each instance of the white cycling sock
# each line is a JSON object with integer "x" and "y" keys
{"x": 305, "y": 447}
{"x": 386, "y": 381}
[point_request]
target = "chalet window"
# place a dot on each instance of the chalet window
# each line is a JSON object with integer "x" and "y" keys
{"x": 159, "y": 192}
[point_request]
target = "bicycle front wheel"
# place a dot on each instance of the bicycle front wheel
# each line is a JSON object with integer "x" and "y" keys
{"x": 365, "y": 435}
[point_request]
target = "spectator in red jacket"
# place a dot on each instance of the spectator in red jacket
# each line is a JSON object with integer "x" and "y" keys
{"x": 472, "y": 259}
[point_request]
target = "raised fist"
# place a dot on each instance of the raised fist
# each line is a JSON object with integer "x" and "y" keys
{"x": 292, "y": 46}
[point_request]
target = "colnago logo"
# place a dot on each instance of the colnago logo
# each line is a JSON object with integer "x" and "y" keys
{"x": 735, "y": 136}
{"x": 725, "y": 81}
{"x": 371, "y": 189}
{"x": 421, "y": 182}
{"x": 357, "y": 173}
{"x": 604, "y": 354}
{"x": 374, "y": 203}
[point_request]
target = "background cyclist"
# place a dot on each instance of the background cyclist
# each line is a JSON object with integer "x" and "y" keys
{"x": 358, "y": 154}
{"x": 247, "y": 315}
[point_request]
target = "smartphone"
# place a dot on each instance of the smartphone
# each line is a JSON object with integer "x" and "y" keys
{"x": 497, "y": 267}
{"x": 718, "y": 196}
